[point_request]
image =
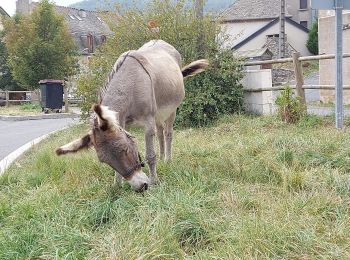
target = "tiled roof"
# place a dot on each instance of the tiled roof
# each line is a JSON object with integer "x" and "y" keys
{"x": 252, "y": 10}
{"x": 254, "y": 53}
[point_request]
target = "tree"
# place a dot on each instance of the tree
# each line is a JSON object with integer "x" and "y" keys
{"x": 6, "y": 80}
{"x": 312, "y": 41}
{"x": 208, "y": 95}
{"x": 40, "y": 46}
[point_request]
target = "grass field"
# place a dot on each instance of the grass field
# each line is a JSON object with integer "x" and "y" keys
{"x": 21, "y": 110}
{"x": 246, "y": 188}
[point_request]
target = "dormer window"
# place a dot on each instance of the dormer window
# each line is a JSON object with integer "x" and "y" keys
{"x": 90, "y": 42}
{"x": 103, "y": 38}
{"x": 303, "y": 4}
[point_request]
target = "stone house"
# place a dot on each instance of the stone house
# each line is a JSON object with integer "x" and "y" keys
{"x": 254, "y": 24}
{"x": 326, "y": 41}
{"x": 88, "y": 28}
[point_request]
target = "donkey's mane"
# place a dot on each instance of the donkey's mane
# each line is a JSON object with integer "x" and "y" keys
{"x": 112, "y": 73}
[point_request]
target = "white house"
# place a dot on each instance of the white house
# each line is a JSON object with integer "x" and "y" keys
{"x": 254, "y": 24}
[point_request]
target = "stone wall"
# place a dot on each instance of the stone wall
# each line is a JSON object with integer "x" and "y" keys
{"x": 272, "y": 43}
{"x": 282, "y": 75}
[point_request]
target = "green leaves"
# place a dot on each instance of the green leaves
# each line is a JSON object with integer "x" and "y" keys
{"x": 290, "y": 108}
{"x": 312, "y": 41}
{"x": 40, "y": 47}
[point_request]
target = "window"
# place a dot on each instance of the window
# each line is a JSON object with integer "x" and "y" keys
{"x": 90, "y": 41}
{"x": 303, "y": 23}
{"x": 103, "y": 38}
{"x": 303, "y": 4}
{"x": 273, "y": 35}
{"x": 78, "y": 17}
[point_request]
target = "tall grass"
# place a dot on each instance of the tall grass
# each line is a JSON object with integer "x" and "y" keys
{"x": 245, "y": 188}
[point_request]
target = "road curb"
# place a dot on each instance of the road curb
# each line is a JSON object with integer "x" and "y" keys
{"x": 12, "y": 157}
{"x": 38, "y": 117}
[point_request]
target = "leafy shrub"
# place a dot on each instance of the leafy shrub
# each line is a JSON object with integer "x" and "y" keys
{"x": 212, "y": 93}
{"x": 208, "y": 95}
{"x": 312, "y": 41}
{"x": 29, "y": 106}
{"x": 290, "y": 108}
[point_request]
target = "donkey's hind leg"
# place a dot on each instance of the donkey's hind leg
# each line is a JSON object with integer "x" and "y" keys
{"x": 150, "y": 152}
{"x": 160, "y": 134}
{"x": 169, "y": 124}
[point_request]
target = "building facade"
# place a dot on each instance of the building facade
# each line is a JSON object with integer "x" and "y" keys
{"x": 326, "y": 42}
{"x": 254, "y": 24}
{"x": 88, "y": 28}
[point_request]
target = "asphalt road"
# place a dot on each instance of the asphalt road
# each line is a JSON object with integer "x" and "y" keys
{"x": 14, "y": 134}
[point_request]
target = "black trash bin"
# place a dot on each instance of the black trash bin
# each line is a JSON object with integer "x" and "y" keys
{"x": 51, "y": 94}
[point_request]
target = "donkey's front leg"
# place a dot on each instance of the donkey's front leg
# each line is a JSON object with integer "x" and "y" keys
{"x": 150, "y": 153}
{"x": 160, "y": 134}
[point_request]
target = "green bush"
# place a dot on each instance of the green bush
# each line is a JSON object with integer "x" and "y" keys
{"x": 29, "y": 106}
{"x": 212, "y": 93}
{"x": 312, "y": 41}
{"x": 290, "y": 108}
{"x": 208, "y": 95}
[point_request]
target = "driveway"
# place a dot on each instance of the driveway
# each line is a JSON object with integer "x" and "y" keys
{"x": 311, "y": 95}
{"x": 14, "y": 134}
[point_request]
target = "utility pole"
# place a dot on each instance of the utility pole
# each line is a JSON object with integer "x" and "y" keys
{"x": 282, "y": 34}
{"x": 199, "y": 8}
{"x": 339, "y": 118}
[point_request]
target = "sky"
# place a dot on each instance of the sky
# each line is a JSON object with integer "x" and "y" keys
{"x": 10, "y": 5}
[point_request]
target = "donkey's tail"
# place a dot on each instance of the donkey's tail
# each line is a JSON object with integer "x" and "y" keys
{"x": 194, "y": 68}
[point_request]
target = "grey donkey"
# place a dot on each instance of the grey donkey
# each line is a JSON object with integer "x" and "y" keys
{"x": 144, "y": 88}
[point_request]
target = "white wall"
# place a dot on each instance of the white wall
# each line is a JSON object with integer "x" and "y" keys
{"x": 237, "y": 32}
{"x": 260, "y": 102}
{"x": 296, "y": 38}
{"x": 326, "y": 41}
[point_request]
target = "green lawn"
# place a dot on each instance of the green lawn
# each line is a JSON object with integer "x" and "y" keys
{"x": 248, "y": 187}
{"x": 21, "y": 110}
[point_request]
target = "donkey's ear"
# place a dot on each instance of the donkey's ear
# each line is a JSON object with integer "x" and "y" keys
{"x": 106, "y": 118}
{"x": 75, "y": 146}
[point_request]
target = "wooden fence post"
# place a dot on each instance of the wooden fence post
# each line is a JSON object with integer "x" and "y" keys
{"x": 7, "y": 98}
{"x": 299, "y": 78}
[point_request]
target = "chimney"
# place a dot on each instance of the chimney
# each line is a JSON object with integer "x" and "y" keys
{"x": 82, "y": 13}
{"x": 23, "y": 6}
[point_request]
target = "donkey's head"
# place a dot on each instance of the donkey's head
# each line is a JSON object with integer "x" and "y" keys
{"x": 113, "y": 146}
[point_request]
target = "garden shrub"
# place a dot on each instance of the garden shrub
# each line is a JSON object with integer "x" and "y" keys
{"x": 312, "y": 41}
{"x": 290, "y": 108}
